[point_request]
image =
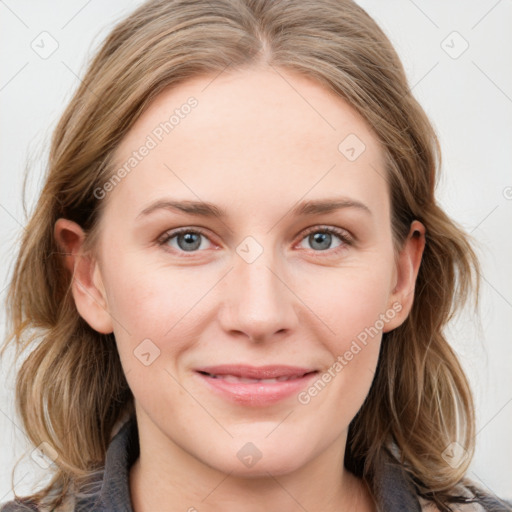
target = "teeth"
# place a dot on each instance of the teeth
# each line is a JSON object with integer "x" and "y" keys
{"x": 233, "y": 378}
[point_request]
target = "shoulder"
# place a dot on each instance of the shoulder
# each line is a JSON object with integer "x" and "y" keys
{"x": 480, "y": 502}
{"x": 427, "y": 506}
{"x": 27, "y": 505}
{"x": 499, "y": 506}
{"x": 19, "y": 506}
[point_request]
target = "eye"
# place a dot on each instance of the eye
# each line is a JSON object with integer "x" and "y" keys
{"x": 321, "y": 238}
{"x": 185, "y": 240}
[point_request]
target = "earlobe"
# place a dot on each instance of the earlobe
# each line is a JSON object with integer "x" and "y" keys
{"x": 408, "y": 265}
{"x": 86, "y": 286}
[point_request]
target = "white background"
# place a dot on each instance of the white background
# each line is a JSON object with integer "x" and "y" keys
{"x": 468, "y": 98}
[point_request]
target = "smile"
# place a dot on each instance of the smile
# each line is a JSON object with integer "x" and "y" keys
{"x": 255, "y": 386}
{"x": 234, "y": 378}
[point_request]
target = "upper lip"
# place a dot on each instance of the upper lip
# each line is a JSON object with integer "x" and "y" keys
{"x": 256, "y": 372}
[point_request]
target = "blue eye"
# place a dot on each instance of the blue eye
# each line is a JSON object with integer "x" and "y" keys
{"x": 187, "y": 240}
{"x": 321, "y": 238}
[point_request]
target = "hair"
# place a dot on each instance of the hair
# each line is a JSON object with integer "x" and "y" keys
{"x": 420, "y": 400}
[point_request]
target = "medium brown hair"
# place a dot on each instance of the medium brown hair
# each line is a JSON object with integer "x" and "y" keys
{"x": 420, "y": 400}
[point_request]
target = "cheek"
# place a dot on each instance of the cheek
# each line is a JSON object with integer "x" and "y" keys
{"x": 353, "y": 304}
{"x": 355, "y": 311}
{"x": 350, "y": 299}
{"x": 154, "y": 304}
{"x": 152, "y": 331}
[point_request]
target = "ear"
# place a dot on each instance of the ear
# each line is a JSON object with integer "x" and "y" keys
{"x": 87, "y": 285}
{"x": 407, "y": 267}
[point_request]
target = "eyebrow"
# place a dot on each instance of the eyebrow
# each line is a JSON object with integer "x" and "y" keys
{"x": 206, "y": 209}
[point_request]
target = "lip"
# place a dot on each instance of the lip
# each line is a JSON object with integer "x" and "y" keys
{"x": 255, "y": 393}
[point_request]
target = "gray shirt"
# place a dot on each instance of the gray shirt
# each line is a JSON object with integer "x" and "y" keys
{"x": 394, "y": 491}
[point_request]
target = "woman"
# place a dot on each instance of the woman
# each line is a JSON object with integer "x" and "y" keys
{"x": 238, "y": 275}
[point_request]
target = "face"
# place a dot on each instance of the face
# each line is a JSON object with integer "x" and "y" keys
{"x": 277, "y": 278}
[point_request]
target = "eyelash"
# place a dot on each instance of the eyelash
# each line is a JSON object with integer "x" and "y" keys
{"x": 343, "y": 235}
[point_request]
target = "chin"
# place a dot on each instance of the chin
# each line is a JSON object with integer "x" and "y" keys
{"x": 257, "y": 459}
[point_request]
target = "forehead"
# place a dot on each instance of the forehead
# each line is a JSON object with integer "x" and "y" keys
{"x": 250, "y": 135}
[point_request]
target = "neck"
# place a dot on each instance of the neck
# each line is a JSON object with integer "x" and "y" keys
{"x": 172, "y": 480}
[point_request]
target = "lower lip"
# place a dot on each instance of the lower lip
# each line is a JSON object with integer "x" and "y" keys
{"x": 256, "y": 393}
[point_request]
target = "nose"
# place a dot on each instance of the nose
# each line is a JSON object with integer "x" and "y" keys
{"x": 258, "y": 303}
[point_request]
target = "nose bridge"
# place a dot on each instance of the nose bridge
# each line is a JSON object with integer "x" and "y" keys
{"x": 260, "y": 304}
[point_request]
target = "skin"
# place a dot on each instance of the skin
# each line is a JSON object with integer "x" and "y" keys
{"x": 254, "y": 147}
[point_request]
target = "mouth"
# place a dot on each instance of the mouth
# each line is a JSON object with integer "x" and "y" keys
{"x": 257, "y": 386}
{"x": 234, "y": 378}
